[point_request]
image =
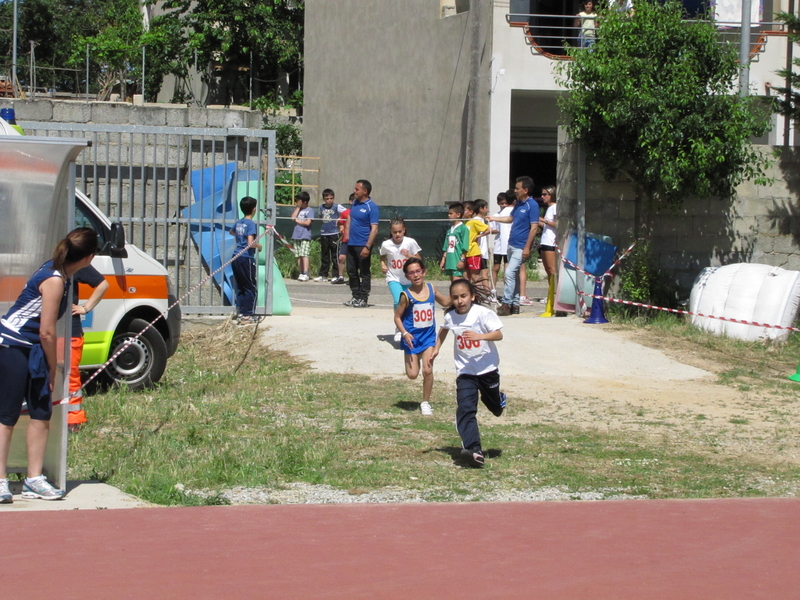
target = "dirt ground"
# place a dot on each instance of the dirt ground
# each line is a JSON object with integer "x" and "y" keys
{"x": 561, "y": 370}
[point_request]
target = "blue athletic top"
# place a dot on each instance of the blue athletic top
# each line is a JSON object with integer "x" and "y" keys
{"x": 242, "y": 229}
{"x": 526, "y": 214}
{"x": 20, "y": 325}
{"x": 362, "y": 216}
{"x": 419, "y": 319}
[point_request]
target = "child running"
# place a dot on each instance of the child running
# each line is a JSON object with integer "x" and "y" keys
{"x": 415, "y": 317}
{"x": 394, "y": 254}
{"x": 476, "y": 329}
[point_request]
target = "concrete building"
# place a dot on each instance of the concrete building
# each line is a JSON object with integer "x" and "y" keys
{"x": 387, "y": 91}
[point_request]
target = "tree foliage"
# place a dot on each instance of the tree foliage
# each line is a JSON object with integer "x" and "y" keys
{"x": 654, "y": 99}
{"x": 220, "y": 34}
{"x": 790, "y": 107}
{"x": 225, "y": 33}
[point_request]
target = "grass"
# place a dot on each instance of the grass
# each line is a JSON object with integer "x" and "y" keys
{"x": 763, "y": 363}
{"x": 232, "y": 413}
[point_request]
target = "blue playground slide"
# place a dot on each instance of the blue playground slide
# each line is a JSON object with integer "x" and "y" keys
{"x": 217, "y": 191}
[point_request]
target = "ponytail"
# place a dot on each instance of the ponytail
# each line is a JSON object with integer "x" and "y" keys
{"x": 78, "y": 244}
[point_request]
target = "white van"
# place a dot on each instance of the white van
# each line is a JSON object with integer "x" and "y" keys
{"x": 139, "y": 290}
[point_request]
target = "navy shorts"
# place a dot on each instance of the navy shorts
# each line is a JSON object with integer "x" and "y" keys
{"x": 14, "y": 381}
{"x": 343, "y": 249}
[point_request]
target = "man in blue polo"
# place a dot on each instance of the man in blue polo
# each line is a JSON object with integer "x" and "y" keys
{"x": 524, "y": 219}
{"x": 362, "y": 229}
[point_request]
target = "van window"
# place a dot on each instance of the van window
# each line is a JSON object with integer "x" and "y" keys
{"x": 84, "y": 218}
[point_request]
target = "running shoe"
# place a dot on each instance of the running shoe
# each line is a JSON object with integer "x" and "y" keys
{"x": 5, "y": 493}
{"x": 39, "y": 487}
{"x": 351, "y": 302}
{"x": 503, "y": 399}
{"x": 473, "y": 457}
{"x": 525, "y": 301}
{"x": 302, "y": 277}
{"x": 359, "y": 303}
{"x": 320, "y": 278}
{"x": 426, "y": 409}
{"x": 337, "y": 280}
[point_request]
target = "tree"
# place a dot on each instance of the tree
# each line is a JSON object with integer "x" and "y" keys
{"x": 654, "y": 99}
{"x": 226, "y": 33}
{"x": 790, "y": 107}
{"x": 116, "y": 48}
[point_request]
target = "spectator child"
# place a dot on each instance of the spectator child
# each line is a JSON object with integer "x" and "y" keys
{"x": 475, "y": 212}
{"x": 505, "y": 201}
{"x": 415, "y": 318}
{"x": 76, "y": 417}
{"x": 456, "y": 243}
{"x": 475, "y": 329}
{"x": 328, "y": 213}
{"x": 394, "y": 253}
{"x": 301, "y": 236}
{"x": 547, "y": 248}
{"x": 244, "y": 266}
{"x": 342, "y": 254}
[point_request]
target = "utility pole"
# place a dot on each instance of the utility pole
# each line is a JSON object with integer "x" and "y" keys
{"x": 744, "y": 51}
{"x": 14, "y": 80}
{"x": 787, "y": 121}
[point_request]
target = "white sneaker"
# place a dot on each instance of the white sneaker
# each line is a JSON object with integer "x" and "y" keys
{"x": 525, "y": 301}
{"x": 5, "y": 493}
{"x": 320, "y": 278}
{"x": 426, "y": 409}
{"x": 302, "y": 277}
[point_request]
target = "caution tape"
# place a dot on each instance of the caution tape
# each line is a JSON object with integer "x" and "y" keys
{"x": 686, "y": 312}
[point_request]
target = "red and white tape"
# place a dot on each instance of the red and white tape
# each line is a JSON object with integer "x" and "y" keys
{"x": 686, "y": 312}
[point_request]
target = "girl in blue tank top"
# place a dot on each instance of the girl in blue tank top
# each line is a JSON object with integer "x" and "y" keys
{"x": 28, "y": 359}
{"x": 415, "y": 318}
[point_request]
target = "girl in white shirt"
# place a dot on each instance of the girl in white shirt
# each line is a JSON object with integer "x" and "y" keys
{"x": 476, "y": 329}
{"x": 394, "y": 253}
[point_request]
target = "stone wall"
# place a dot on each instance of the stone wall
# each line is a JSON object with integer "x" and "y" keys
{"x": 123, "y": 113}
{"x": 761, "y": 224}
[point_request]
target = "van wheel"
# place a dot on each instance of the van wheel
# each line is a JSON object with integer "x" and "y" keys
{"x": 142, "y": 363}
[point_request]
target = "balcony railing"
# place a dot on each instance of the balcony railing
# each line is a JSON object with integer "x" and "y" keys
{"x": 554, "y": 35}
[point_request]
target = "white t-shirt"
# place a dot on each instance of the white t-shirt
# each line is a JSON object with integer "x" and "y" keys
{"x": 473, "y": 357}
{"x": 395, "y": 259}
{"x": 501, "y": 239}
{"x": 549, "y": 232}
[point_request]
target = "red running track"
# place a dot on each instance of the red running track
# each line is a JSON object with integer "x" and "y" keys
{"x": 672, "y": 549}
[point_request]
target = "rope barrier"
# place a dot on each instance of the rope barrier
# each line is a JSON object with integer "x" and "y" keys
{"x": 686, "y": 312}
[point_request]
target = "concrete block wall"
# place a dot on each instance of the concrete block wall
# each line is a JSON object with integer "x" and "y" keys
{"x": 123, "y": 113}
{"x": 761, "y": 224}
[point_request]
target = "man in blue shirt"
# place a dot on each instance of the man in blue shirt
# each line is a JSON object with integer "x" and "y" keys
{"x": 524, "y": 221}
{"x": 361, "y": 230}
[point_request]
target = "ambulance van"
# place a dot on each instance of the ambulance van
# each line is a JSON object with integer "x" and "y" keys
{"x": 139, "y": 291}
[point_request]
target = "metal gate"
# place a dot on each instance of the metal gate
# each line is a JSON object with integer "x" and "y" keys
{"x": 177, "y": 190}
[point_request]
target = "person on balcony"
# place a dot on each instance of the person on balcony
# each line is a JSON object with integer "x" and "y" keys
{"x": 587, "y": 22}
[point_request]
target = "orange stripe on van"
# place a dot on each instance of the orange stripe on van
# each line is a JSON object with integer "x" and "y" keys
{"x": 122, "y": 287}
{"x": 11, "y": 287}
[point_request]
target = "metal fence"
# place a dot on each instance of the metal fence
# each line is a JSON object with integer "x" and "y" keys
{"x": 177, "y": 190}
{"x": 556, "y": 36}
